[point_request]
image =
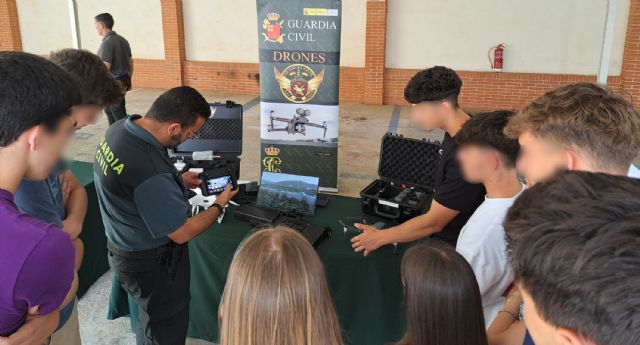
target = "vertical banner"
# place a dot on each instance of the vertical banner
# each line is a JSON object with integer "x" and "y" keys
{"x": 299, "y": 43}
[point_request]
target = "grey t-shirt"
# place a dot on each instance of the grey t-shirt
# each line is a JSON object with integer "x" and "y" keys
{"x": 115, "y": 50}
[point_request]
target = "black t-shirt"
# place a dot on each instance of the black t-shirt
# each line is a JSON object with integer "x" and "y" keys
{"x": 453, "y": 192}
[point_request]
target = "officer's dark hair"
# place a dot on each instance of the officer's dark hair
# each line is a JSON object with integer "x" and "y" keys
{"x": 182, "y": 104}
{"x": 574, "y": 246}
{"x": 437, "y": 83}
{"x": 97, "y": 85}
{"x": 106, "y": 19}
{"x": 487, "y": 129}
{"x": 33, "y": 92}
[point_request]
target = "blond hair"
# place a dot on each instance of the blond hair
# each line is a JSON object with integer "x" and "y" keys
{"x": 277, "y": 294}
{"x": 593, "y": 120}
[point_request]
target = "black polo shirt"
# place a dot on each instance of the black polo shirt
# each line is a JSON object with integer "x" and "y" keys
{"x": 115, "y": 50}
{"x": 453, "y": 192}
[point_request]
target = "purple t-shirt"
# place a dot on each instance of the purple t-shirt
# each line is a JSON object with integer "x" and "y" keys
{"x": 36, "y": 265}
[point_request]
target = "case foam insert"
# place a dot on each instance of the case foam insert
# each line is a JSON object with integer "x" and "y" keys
{"x": 407, "y": 160}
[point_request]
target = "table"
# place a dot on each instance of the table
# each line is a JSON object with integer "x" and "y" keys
{"x": 367, "y": 292}
{"x": 95, "y": 262}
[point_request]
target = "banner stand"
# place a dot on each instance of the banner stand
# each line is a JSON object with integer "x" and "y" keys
{"x": 299, "y": 43}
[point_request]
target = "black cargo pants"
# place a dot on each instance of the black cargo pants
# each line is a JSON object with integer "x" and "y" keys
{"x": 158, "y": 280}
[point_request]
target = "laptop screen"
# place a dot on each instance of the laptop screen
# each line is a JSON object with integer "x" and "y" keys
{"x": 293, "y": 193}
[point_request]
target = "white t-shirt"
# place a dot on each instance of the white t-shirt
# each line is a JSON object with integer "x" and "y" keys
{"x": 482, "y": 243}
{"x": 634, "y": 172}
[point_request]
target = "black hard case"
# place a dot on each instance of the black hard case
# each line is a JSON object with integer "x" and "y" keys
{"x": 222, "y": 134}
{"x": 407, "y": 166}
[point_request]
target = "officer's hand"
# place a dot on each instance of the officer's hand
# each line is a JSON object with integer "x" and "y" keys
{"x": 191, "y": 179}
{"x": 223, "y": 198}
{"x": 368, "y": 241}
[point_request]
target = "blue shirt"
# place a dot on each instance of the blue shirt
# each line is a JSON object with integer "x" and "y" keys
{"x": 527, "y": 339}
{"x": 43, "y": 199}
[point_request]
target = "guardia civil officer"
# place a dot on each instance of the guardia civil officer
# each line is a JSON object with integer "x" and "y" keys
{"x": 144, "y": 208}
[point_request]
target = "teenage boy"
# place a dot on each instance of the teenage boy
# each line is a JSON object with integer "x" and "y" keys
{"x": 579, "y": 126}
{"x": 434, "y": 95}
{"x": 144, "y": 208}
{"x": 573, "y": 244}
{"x": 576, "y": 127}
{"x": 60, "y": 199}
{"x": 488, "y": 156}
{"x": 115, "y": 52}
{"x": 37, "y": 266}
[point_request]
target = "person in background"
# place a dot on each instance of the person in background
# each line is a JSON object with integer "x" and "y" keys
{"x": 573, "y": 244}
{"x": 441, "y": 297}
{"x": 277, "y": 294}
{"x": 488, "y": 156}
{"x": 115, "y": 52}
{"x": 144, "y": 205}
{"x": 580, "y": 126}
{"x": 434, "y": 95}
{"x": 61, "y": 199}
{"x": 37, "y": 261}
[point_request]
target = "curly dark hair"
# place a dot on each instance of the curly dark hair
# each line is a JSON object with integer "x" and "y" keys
{"x": 487, "y": 129}
{"x": 573, "y": 244}
{"x": 437, "y": 83}
{"x": 97, "y": 85}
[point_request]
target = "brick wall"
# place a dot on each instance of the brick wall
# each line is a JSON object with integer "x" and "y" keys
{"x": 10, "y": 38}
{"x": 491, "y": 90}
{"x": 373, "y": 84}
{"x": 149, "y": 73}
{"x": 375, "y": 51}
{"x": 173, "y": 32}
{"x": 631, "y": 57}
{"x": 241, "y": 78}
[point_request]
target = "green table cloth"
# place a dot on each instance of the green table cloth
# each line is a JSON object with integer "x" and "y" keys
{"x": 95, "y": 262}
{"x": 367, "y": 292}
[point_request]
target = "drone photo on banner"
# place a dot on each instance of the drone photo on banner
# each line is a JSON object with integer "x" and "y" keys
{"x": 303, "y": 123}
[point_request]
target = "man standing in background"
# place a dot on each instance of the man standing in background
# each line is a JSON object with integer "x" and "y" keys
{"x": 115, "y": 52}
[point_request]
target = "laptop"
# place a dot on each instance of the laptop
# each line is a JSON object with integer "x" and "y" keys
{"x": 284, "y": 199}
{"x": 293, "y": 194}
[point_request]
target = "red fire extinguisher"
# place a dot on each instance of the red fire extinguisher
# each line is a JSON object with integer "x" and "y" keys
{"x": 498, "y": 60}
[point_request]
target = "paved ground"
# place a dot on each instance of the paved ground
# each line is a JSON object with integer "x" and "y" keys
{"x": 361, "y": 127}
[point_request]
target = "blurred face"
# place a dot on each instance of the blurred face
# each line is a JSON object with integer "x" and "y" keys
{"x": 86, "y": 114}
{"x": 539, "y": 159}
{"x": 99, "y": 28}
{"x": 46, "y": 148}
{"x": 179, "y": 133}
{"x": 477, "y": 162}
{"x": 429, "y": 115}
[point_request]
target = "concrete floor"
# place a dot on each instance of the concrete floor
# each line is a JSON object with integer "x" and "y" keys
{"x": 361, "y": 127}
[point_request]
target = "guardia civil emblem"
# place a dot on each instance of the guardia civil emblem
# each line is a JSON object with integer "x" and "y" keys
{"x": 273, "y": 28}
{"x": 298, "y": 83}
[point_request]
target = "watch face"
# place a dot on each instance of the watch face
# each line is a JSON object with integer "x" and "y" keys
{"x": 217, "y": 185}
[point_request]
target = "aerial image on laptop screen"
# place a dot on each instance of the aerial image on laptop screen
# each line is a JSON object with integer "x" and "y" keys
{"x": 288, "y": 192}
